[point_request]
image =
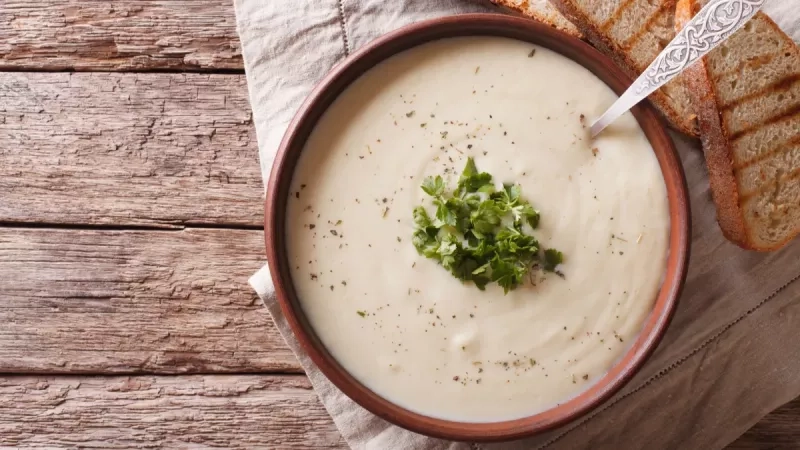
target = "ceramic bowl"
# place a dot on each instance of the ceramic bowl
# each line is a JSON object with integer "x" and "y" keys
{"x": 476, "y": 25}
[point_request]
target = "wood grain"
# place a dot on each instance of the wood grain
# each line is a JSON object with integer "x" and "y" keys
{"x": 779, "y": 430}
{"x": 88, "y": 35}
{"x": 156, "y": 150}
{"x": 230, "y": 411}
{"x": 93, "y": 301}
{"x": 244, "y": 411}
{"x": 128, "y": 149}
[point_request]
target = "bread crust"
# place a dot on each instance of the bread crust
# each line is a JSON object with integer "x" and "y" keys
{"x": 602, "y": 43}
{"x": 523, "y": 10}
{"x": 719, "y": 159}
{"x": 716, "y": 144}
{"x": 750, "y": 244}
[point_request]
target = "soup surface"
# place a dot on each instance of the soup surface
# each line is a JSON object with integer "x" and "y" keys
{"x": 402, "y": 324}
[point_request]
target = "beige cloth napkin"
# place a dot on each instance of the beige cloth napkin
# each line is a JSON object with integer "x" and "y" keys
{"x": 731, "y": 354}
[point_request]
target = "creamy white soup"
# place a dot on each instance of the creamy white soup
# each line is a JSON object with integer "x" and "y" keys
{"x": 402, "y": 324}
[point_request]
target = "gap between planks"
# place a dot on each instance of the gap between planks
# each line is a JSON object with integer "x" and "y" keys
{"x": 140, "y": 71}
{"x": 104, "y": 227}
{"x": 135, "y": 301}
{"x": 164, "y": 38}
{"x": 231, "y": 411}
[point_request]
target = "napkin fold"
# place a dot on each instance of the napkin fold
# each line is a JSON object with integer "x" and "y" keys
{"x": 730, "y": 354}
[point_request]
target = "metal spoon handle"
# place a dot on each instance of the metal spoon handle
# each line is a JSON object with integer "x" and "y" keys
{"x": 713, "y": 24}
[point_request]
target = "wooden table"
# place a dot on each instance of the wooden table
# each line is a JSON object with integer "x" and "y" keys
{"x": 130, "y": 220}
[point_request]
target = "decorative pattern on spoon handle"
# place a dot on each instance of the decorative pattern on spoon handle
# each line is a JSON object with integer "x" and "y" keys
{"x": 713, "y": 24}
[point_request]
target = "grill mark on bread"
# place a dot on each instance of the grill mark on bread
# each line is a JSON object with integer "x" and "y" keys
{"x": 666, "y": 7}
{"x": 780, "y": 148}
{"x": 783, "y": 84}
{"x": 774, "y": 119}
{"x": 753, "y": 62}
{"x": 783, "y": 178}
{"x": 756, "y": 129}
{"x": 605, "y": 26}
{"x": 675, "y": 110}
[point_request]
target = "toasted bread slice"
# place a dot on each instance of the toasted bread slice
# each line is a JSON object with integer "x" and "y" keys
{"x": 542, "y": 11}
{"x": 633, "y": 33}
{"x": 747, "y": 97}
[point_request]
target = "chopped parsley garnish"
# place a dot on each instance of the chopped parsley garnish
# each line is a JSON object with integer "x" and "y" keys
{"x": 478, "y": 232}
{"x": 552, "y": 258}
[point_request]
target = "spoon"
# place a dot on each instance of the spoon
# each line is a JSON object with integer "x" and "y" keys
{"x": 710, "y": 27}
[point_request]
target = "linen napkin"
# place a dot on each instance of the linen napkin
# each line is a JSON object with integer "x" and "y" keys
{"x": 730, "y": 355}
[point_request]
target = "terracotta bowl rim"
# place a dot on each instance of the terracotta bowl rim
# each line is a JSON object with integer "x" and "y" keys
{"x": 476, "y": 25}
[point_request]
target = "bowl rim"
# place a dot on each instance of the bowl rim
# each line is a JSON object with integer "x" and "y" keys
{"x": 347, "y": 71}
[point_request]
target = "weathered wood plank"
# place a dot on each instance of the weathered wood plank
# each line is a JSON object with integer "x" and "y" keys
{"x": 87, "y": 35}
{"x": 145, "y": 35}
{"x": 230, "y": 411}
{"x": 220, "y": 411}
{"x": 779, "y": 430}
{"x": 83, "y": 301}
{"x": 86, "y": 301}
{"x": 128, "y": 149}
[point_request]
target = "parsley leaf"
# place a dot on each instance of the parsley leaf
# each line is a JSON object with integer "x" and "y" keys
{"x": 552, "y": 258}
{"x": 506, "y": 273}
{"x": 486, "y": 217}
{"x": 444, "y": 214}
{"x": 473, "y": 181}
{"x": 433, "y": 186}
{"x": 477, "y": 231}
{"x": 513, "y": 192}
{"x": 470, "y": 169}
{"x": 421, "y": 218}
{"x": 525, "y": 213}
